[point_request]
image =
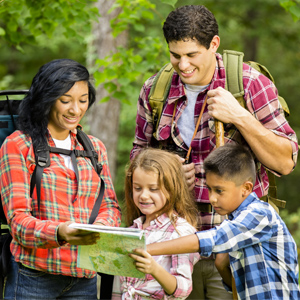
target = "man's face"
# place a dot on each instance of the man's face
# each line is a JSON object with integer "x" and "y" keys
{"x": 194, "y": 63}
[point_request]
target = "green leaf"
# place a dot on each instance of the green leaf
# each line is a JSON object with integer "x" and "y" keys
{"x": 122, "y": 96}
{"x": 139, "y": 27}
{"x": 295, "y": 10}
{"x": 170, "y": 2}
{"x": 2, "y": 31}
{"x": 105, "y": 99}
{"x": 110, "y": 87}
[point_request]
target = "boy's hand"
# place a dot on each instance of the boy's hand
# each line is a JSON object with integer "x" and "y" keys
{"x": 144, "y": 261}
{"x": 222, "y": 263}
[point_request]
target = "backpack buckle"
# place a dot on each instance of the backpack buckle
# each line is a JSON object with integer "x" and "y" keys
{"x": 99, "y": 168}
{"x": 42, "y": 161}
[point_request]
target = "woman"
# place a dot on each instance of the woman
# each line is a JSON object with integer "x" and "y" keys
{"x": 44, "y": 248}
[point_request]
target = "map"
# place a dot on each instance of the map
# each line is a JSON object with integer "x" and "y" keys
{"x": 110, "y": 254}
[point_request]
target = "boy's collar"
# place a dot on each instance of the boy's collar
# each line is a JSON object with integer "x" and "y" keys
{"x": 243, "y": 205}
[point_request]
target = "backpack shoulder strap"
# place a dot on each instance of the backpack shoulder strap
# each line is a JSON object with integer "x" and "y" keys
{"x": 233, "y": 64}
{"x": 159, "y": 93}
{"x": 263, "y": 69}
{"x": 90, "y": 152}
{"x": 93, "y": 156}
{"x": 42, "y": 158}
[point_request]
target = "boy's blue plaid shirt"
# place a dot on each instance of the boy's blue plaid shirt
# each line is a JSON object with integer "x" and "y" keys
{"x": 263, "y": 254}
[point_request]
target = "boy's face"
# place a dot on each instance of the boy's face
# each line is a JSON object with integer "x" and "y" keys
{"x": 224, "y": 195}
{"x": 193, "y": 62}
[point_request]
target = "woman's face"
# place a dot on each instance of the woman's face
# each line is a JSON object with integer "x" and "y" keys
{"x": 68, "y": 110}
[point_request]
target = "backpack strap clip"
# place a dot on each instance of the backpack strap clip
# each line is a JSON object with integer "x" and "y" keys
{"x": 43, "y": 156}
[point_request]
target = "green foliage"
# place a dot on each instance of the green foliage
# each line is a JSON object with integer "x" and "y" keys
{"x": 292, "y": 6}
{"x": 292, "y": 221}
{"x": 22, "y": 21}
{"x": 131, "y": 66}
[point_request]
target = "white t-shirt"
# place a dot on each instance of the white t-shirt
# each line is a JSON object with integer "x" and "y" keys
{"x": 65, "y": 144}
{"x": 186, "y": 123}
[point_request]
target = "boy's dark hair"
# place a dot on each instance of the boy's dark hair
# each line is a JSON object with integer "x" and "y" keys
{"x": 53, "y": 79}
{"x": 191, "y": 22}
{"x": 233, "y": 162}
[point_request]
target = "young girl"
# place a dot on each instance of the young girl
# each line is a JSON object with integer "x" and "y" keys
{"x": 158, "y": 201}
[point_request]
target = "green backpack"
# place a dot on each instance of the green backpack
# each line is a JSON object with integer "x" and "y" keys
{"x": 233, "y": 63}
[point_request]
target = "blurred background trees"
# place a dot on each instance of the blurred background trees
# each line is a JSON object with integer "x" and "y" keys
{"x": 122, "y": 44}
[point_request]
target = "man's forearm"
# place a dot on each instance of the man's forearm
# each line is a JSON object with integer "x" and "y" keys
{"x": 186, "y": 244}
{"x": 271, "y": 150}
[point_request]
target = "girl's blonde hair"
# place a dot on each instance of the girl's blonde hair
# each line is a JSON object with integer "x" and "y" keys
{"x": 171, "y": 180}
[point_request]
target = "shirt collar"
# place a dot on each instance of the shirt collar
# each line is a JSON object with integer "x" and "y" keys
{"x": 160, "y": 221}
{"x": 51, "y": 141}
{"x": 252, "y": 197}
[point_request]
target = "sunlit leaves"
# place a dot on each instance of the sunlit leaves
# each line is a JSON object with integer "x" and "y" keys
{"x": 292, "y": 6}
{"x": 22, "y": 21}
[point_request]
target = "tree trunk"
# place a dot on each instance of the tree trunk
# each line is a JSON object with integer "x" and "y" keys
{"x": 103, "y": 118}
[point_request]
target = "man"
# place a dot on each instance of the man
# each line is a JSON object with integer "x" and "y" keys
{"x": 192, "y": 36}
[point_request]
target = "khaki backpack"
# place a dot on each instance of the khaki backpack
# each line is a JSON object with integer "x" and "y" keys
{"x": 233, "y": 63}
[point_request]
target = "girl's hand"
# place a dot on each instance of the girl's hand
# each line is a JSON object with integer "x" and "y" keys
{"x": 146, "y": 264}
{"x": 144, "y": 261}
{"x": 76, "y": 236}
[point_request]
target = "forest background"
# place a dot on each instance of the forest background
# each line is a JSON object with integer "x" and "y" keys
{"x": 122, "y": 44}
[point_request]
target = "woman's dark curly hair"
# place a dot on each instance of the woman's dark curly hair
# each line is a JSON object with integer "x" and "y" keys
{"x": 191, "y": 22}
{"x": 53, "y": 79}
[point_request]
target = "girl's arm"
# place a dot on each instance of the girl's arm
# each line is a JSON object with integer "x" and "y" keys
{"x": 146, "y": 264}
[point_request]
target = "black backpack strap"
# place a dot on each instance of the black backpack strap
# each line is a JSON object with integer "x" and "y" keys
{"x": 96, "y": 208}
{"x": 106, "y": 279}
{"x": 85, "y": 141}
{"x": 42, "y": 158}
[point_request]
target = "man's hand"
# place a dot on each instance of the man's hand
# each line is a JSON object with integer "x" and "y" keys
{"x": 76, "y": 236}
{"x": 224, "y": 107}
{"x": 189, "y": 172}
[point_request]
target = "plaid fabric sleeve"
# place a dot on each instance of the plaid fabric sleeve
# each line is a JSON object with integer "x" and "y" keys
{"x": 243, "y": 232}
{"x": 17, "y": 203}
{"x": 261, "y": 98}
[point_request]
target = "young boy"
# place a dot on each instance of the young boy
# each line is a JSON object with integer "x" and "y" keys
{"x": 262, "y": 252}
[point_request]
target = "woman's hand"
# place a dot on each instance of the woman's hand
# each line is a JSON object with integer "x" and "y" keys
{"x": 76, "y": 236}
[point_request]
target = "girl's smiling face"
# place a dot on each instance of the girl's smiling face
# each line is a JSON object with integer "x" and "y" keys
{"x": 68, "y": 110}
{"x": 147, "y": 194}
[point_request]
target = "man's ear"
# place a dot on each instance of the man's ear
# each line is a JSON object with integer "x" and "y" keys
{"x": 247, "y": 188}
{"x": 215, "y": 43}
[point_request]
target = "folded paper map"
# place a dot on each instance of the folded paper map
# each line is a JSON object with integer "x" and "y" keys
{"x": 110, "y": 254}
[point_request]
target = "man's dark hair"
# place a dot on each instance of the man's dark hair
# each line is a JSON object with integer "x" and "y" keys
{"x": 53, "y": 79}
{"x": 191, "y": 22}
{"x": 232, "y": 162}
